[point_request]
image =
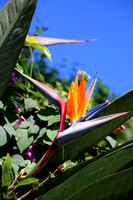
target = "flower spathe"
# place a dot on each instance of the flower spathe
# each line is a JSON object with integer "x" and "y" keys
{"x": 78, "y": 98}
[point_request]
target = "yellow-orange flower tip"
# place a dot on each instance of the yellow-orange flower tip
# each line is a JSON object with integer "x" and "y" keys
{"x": 78, "y": 98}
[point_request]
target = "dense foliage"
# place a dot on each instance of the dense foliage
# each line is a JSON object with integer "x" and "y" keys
{"x": 97, "y": 165}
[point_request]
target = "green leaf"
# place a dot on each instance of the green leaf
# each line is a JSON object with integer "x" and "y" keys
{"x": 111, "y": 142}
{"x": 23, "y": 141}
{"x": 53, "y": 120}
{"x": 33, "y": 129}
{"x": 6, "y": 170}
{"x": 51, "y": 134}
{"x": 86, "y": 173}
{"x": 116, "y": 186}
{"x": 4, "y": 136}
{"x": 15, "y": 19}
{"x": 45, "y": 115}
{"x": 1, "y": 105}
{"x": 41, "y": 134}
{"x": 30, "y": 103}
{"x": 77, "y": 148}
{"x": 9, "y": 129}
{"x": 27, "y": 181}
{"x": 41, "y": 48}
{"x": 17, "y": 159}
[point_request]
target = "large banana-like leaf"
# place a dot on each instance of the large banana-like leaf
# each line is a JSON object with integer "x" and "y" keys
{"x": 77, "y": 148}
{"x": 15, "y": 19}
{"x": 84, "y": 174}
{"x": 117, "y": 186}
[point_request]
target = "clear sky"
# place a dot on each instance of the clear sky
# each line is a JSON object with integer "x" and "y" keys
{"x": 111, "y": 21}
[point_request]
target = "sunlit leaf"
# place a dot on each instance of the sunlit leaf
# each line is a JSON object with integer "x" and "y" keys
{"x": 15, "y": 19}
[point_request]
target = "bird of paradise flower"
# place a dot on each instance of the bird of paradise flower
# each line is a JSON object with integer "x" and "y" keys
{"x": 75, "y": 107}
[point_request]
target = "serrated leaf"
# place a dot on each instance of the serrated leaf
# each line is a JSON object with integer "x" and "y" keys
{"x": 6, "y": 169}
{"x": 15, "y": 18}
{"x": 27, "y": 181}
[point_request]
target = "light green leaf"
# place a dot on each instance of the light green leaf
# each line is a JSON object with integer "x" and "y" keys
{"x": 17, "y": 159}
{"x": 41, "y": 134}
{"x": 41, "y": 48}
{"x": 23, "y": 140}
{"x": 6, "y": 170}
{"x": 15, "y": 19}
{"x": 4, "y": 136}
{"x": 111, "y": 142}
{"x": 30, "y": 103}
{"x": 27, "y": 181}
{"x": 9, "y": 129}
{"x": 53, "y": 120}
{"x": 1, "y": 105}
{"x": 51, "y": 134}
{"x": 45, "y": 115}
{"x": 33, "y": 129}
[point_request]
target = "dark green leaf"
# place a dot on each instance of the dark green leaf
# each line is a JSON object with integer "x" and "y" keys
{"x": 77, "y": 148}
{"x": 15, "y": 18}
{"x": 87, "y": 173}
{"x": 116, "y": 186}
{"x": 6, "y": 170}
{"x": 27, "y": 181}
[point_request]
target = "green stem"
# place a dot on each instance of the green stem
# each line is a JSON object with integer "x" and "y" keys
{"x": 31, "y": 66}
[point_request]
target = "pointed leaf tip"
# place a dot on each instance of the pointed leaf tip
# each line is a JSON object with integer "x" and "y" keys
{"x": 79, "y": 129}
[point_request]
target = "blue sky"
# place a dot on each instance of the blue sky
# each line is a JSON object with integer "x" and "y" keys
{"x": 111, "y": 56}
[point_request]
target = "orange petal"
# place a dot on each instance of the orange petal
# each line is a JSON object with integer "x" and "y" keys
{"x": 89, "y": 96}
{"x": 75, "y": 98}
{"x": 81, "y": 96}
{"x": 70, "y": 103}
